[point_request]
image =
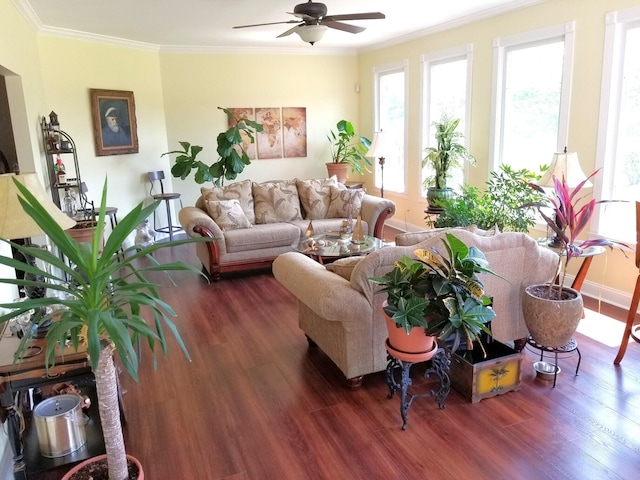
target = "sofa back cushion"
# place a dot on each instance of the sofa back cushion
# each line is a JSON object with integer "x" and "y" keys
{"x": 227, "y": 214}
{"x": 276, "y": 202}
{"x": 315, "y": 196}
{"x": 240, "y": 191}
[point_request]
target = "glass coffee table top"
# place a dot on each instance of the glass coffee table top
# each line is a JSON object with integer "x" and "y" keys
{"x": 329, "y": 245}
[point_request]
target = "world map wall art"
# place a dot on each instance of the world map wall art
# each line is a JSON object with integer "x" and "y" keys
{"x": 284, "y": 134}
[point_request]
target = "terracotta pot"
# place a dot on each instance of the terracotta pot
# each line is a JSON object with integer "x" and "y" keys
{"x": 91, "y": 460}
{"x": 339, "y": 170}
{"x": 551, "y": 322}
{"x": 416, "y": 342}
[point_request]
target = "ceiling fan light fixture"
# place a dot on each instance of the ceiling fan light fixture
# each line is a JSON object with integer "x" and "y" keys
{"x": 311, "y": 33}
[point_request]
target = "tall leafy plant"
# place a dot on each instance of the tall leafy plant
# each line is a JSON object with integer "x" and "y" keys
{"x": 105, "y": 301}
{"x": 440, "y": 293}
{"x": 232, "y": 158}
{"x": 349, "y": 147}
{"x": 571, "y": 213}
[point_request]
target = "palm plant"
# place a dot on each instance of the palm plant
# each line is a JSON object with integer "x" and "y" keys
{"x": 103, "y": 301}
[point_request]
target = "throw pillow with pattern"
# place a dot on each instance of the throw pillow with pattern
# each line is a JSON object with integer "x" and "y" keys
{"x": 227, "y": 214}
{"x": 315, "y": 196}
{"x": 345, "y": 203}
{"x": 240, "y": 191}
{"x": 276, "y": 202}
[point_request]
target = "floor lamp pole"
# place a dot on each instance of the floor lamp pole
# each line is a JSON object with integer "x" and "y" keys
{"x": 381, "y": 163}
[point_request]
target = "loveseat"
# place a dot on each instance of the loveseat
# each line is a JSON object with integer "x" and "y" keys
{"x": 252, "y": 223}
{"x": 340, "y": 310}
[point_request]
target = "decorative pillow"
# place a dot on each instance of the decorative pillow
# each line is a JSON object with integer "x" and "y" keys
{"x": 315, "y": 196}
{"x": 228, "y": 214}
{"x": 344, "y": 266}
{"x": 276, "y": 202}
{"x": 345, "y": 203}
{"x": 240, "y": 191}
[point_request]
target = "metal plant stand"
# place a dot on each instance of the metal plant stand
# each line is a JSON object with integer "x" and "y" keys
{"x": 440, "y": 363}
{"x": 570, "y": 347}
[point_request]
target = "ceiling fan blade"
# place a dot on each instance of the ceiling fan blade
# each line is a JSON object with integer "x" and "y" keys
{"x": 290, "y": 31}
{"x": 356, "y": 16}
{"x": 262, "y": 24}
{"x": 345, "y": 27}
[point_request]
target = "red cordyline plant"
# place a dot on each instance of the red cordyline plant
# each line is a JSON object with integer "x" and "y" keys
{"x": 572, "y": 213}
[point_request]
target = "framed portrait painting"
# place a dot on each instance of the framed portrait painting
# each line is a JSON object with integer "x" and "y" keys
{"x": 114, "y": 122}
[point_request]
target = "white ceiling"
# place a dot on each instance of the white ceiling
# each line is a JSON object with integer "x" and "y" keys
{"x": 206, "y": 24}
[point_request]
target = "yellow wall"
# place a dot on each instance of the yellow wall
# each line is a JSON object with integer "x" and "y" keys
{"x": 616, "y": 271}
{"x": 194, "y": 85}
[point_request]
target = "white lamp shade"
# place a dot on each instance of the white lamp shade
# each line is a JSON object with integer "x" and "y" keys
{"x": 378, "y": 146}
{"x": 311, "y": 33}
{"x": 564, "y": 165}
{"x": 14, "y": 222}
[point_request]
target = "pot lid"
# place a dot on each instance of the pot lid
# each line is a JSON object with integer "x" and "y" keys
{"x": 57, "y": 406}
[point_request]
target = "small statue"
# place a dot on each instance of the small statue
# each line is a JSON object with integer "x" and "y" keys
{"x": 145, "y": 235}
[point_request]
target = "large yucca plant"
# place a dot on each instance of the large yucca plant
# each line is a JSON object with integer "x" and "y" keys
{"x": 106, "y": 298}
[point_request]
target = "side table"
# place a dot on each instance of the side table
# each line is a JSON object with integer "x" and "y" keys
{"x": 401, "y": 362}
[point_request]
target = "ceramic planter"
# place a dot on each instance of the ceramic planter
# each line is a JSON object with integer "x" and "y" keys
{"x": 80, "y": 466}
{"x": 435, "y": 194}
{"x": 416, "y": 343}
{"x": 551, "y": 322}
{"x": 339, "y": 170}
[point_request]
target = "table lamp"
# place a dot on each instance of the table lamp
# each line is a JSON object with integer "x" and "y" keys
{"x": 563, "y": 165}
{"x": 378, "y": 150}
{"x": 15, "y": 224}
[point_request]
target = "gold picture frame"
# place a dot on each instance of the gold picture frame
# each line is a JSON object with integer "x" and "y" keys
{"x": 114, "y": 122}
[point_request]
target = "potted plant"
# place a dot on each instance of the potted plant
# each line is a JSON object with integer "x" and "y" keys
{"x": 447, "y": 154}
{"x": 552, "y": 311}
{"x": 102, "y": 302}
{"x": 438, "y": 295}
{"x": 496, "y": 206}
{"x": 348, "y": 150}
{"x": 232, "y": 159}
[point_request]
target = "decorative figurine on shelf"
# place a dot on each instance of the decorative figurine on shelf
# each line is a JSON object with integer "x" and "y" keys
{"x": 144, "y": 234}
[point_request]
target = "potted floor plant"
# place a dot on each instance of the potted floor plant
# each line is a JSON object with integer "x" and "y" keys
{"x": 438, "y": 295}
{"x": 348, "y": 150}
{"x": 232, "y": 158}
{"x": 447, "y": 154}
{"x": 552, "y": 311}
{"x": 103, "y": 302}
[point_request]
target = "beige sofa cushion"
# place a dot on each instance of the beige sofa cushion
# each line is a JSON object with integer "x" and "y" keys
{"x": 345, "y": 203}
{"x": 228, "y": 214}
{"x": 344, "y": 266}
{"x": 315, "y": 196}
{"x": 276, "y": 202}
{"x": 411, "y": 238}
{"x": 240, "y": 191}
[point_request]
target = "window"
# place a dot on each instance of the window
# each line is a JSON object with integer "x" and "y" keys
{"x": 390, "y": 101}
{"x": 618, "y": 152}
{"x": 446, "y": 86}
{"x": 532, "y": 78}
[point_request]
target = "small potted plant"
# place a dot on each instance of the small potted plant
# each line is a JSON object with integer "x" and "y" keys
{"x": 552, "y": 311}
{"x": 438, "y": 295}
{"x": 348, "y": 150}
{"x": 103, "y": 302}
{"x": 447, "y": 154}
{"x": 232, "y": 159}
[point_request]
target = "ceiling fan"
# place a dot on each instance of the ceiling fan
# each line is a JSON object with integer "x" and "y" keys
{"x": 313, "y": 21}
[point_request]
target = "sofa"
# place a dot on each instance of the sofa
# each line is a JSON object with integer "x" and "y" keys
{"x": 252, "y": 223}
{"x": 340, "y": 310}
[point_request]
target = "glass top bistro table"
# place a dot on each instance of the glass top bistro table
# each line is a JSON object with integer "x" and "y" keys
{"x": 329, "y": 246}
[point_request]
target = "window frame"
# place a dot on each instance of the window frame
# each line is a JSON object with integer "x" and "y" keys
{"x": 454, "y": 54}
{"x": 377, "y": 72}
{"x": 617, "y": 24}
{"x": 501, "y": 46}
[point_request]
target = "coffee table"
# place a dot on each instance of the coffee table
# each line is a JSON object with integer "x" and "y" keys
{"x": 329, "y": 246}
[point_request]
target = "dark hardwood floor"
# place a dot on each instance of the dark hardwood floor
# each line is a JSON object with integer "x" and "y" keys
{"x": 256, "y": 403}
